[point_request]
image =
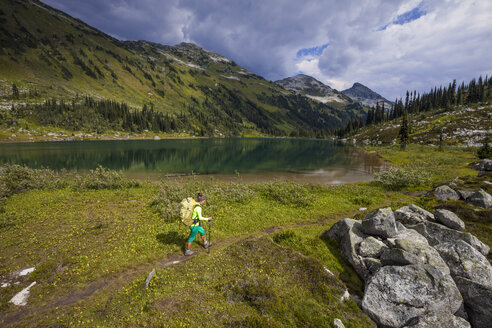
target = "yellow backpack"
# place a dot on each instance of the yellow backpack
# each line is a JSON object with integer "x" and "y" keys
{"x": 187, "y": 207}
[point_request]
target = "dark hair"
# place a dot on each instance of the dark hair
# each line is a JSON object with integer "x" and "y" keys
{"x": 200, "y": 197}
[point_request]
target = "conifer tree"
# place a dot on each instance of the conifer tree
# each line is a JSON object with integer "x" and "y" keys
{"x": 15, "y": 91}
{"x": 404, "y": 131}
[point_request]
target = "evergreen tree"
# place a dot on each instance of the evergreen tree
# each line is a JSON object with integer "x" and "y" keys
{"x": 404, "y": 131}
{"x": 485, "y": 151}
{"x": 15, "y": 92}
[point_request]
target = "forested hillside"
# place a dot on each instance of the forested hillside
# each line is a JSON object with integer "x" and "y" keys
{"x": 461, "y": 114}
{"x": 96, "y": 83}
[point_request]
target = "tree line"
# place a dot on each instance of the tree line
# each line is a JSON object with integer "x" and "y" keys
{"x": 101, "y": 115}
{"x": 475, "y": 91}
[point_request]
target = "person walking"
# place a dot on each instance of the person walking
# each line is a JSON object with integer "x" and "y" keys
{"x": 195, "y": 227}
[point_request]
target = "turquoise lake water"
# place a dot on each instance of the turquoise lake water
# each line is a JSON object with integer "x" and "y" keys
{"x": 322, "y": 161}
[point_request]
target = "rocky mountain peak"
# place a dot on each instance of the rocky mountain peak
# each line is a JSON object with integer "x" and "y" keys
{"x": 362, "y": 94}
{"x": 312, "y": 88}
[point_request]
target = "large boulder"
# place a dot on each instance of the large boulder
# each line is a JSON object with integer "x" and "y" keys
{"x": 425, "y": 254}
{"x": 465, "y": 261}
{"x": 348, "y": 232}
{"x": 396, "y": 296}
{"x": 478, "y": 302}
{"x": 485, "y": 165}
{"x": 436, "y": 233}
{"x": 380, "y": 223}
{"x": 445, "y": 193}
{"x": 449, "y": 219}
{"x": 481, "y": 198}
{"x": 440, "y": 320}
{"x": 472, "y": 273}
{"x": 371, "y": 247}
{"x": 412, "y": 214}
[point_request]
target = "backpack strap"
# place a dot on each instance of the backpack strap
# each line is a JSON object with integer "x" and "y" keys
{"x": 195, "y": 221}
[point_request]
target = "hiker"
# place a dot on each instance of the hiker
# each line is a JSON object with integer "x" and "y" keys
{"x": 195, "y": 227}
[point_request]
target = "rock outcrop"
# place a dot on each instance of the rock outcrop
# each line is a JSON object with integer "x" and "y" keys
{"x": 412, "y": 214}
{"x": 440, "y": 319}
{"x": 473, "y": 275}
{"x": 437, "y": 233}
{"x": 480, "y": 198}
{"x": 380, "y": 223}
{"x": 418, "y": 273}
{"x": 478, "y": 302}
{"x": 485, "y": 165}
{"x": 449, "y": 219}
{"x": 348, "y": 232}
{"x": 395, "y": 295}
{"x": 445, "y": 193}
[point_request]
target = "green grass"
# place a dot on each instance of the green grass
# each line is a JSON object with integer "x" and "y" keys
{"x": 254, "y": 283}
{"x": 79, "y": 238}
{"x": 442, "y": 165}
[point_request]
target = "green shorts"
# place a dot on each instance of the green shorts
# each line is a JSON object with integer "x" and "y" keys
{"x": 194, "y": 231}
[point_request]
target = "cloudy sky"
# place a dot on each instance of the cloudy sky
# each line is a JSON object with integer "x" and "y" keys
{"x": 388, "y": 45}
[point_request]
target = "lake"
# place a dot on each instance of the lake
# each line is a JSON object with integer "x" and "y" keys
{"x": 252, "y": 159}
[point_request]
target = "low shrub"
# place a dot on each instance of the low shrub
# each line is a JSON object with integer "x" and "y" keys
{"x": 102, "y": 178}
{"x": 16, "y": 178}
{"x": 400, "y": 177}
{"x": 217, "y": 193}
{"x": 287, "y": 193}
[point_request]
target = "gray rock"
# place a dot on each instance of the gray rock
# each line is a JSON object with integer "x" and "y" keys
{"x": 485, "y": 165}
{"x": 424, "y": 254}
{"x": 371, "y": 247}
{"x": 395, "y": 295}
{"x": 436, "y": 233}
{"x": 445, "y": 193}
{"x": 481, "y": 198}
{"x": 441, "y": 320}
{"x": 395, "y": 256}
{"x": 465, "y": 194}
{"x": 465, "y": 261}
{"x": 478, "y": 302}
{"x": 410, "y": 235}
{"x": 449, "y": 219}
{"x": 412, "y": 214}
{"x": 149, "y": 278}
{"x": 372, "y": 264}
{"x": 337, "y": 323}
{"x": 348, "y": 232}
{"x": 380, "y": 223}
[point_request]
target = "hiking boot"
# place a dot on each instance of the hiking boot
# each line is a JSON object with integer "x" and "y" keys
{"x": 189, "y": 252}
{"x": 207, "y": 244}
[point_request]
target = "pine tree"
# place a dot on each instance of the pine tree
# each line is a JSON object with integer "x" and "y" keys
{"x": 404, "y": 131}
{"x": 15, "y": 92}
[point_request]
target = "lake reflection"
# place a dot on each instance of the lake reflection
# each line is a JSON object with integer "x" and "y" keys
{"x": 321, "y": 160}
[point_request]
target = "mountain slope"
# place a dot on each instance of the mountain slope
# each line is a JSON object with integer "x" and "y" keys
{"x": 362, "y": 94}
{"x": 48, "y": 53}
{"x": 312, "y": 88}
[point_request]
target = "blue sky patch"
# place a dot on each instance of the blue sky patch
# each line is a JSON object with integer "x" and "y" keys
{"x": 314, "y": 51}
{"x": 407, "y": 17}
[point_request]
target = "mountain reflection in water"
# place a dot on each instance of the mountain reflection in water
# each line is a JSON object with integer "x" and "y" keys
{"x": 321, "y": 161}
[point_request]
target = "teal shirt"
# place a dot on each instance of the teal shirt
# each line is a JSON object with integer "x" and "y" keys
{"x": 197, "y": 214}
